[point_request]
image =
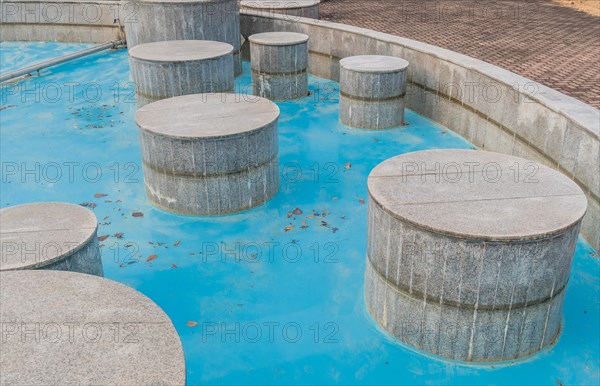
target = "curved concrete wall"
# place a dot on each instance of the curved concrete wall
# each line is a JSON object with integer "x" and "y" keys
{"x": 94, "y": 21}
{"x": 493, "y": 108}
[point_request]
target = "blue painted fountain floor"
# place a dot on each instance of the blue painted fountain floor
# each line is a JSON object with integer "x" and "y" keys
{"x": 268, "y": 296}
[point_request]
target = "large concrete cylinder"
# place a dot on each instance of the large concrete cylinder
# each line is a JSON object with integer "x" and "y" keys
{"x": 150, "y": 21}
{"x": 372, "y": 90}
{"x": 209, "y": 154}
{"x": 469, "y": 252}
{"x": 279, "y": 65}
{"x": 181, "y": 67}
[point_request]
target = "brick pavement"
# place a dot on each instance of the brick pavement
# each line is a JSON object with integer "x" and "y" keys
{"x": 539, "y": 39}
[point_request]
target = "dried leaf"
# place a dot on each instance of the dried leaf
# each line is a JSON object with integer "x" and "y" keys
{"x": 361, "y": 200}
{"x": 100, "y": 195}
{"x": 173, "y": 265}
{"x": 334, "y": 229}
{"x": 151, "y": 257}
{"x": 118, "y": 235}
{"x": 304, "y": 226}
{"x": 102, "y": 238}
{"x": 348, "y": 165}
{"x": 297, "y": 212}
{"x": 177, "y": 243}
{"x": 191, "y": 323}
{"x": 335, "y": 198}
{"x": 288, "y": 228}
{"x": 137, "y": 214}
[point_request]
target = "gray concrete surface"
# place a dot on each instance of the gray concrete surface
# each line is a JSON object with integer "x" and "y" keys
{"x": 156, "y": 21}
{"x": 481, "y": 239}
{"x": 180, "y": 67}
{"x": 209, "y": 154}
{"x": 293, "y": 9}
{"x": 49, "y": 235}
{"x": 279, "y": 65}
{"x": 372, "y": 89}
{"x": 65, "y": 328}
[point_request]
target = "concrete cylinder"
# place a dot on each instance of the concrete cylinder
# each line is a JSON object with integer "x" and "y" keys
{"x": 49, "y": 235}
{"x": 90, "y": 331}
{"x": 279, "y": 65}
{"x": 292, "y": 8}
{"x": 165, "y": 20}
{"x": 209, "y": 154}
{"x": 372, "y": 90}
{"x": 469, "y": 252}
{"x": 181, "y": 67}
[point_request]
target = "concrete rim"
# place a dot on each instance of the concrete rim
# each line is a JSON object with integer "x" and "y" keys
{"x": 374, "y": 64}
{"x": 455, "y": 229}
{"x": 199, "y": 106}
{"x": 176, "y": 51}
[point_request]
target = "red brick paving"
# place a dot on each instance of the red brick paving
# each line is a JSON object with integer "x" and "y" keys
{"x": 550, "y": 44}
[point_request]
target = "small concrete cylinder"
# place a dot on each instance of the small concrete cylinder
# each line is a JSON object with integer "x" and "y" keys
{"x": 292, "y": 8}
{"x": 49, "y": 235}
{"x": 209, "y": 154}
{"x": 181, "y": 67}
{"x": 150, "y": 21}
{"x": 90, "y": 331}
{"x": 469, "y": 252}
{"x": 372, "y": 90}
{"x": 279, "y": 65}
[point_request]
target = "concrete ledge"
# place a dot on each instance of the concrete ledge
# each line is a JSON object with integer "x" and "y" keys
{"x": 63, "y": 20}
{"x": 493, "y": 108}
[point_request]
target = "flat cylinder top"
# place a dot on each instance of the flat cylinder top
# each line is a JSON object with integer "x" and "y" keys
{"x": 145, "y": 350}
{"x": 279, "y": 4}
{"x": 207, "y": 115}
{"x": 166, "y": 2}
{"x": 180, "y": 50}
{"x": 477, "y": 194}
{"x": 374, "y": 63}
{"x": 278, "y": 38}
{"x": 38, "y": 234}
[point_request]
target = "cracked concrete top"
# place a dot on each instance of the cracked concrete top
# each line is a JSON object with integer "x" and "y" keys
{"x": 374, "y": 63}
{"x": 180, "y": 50}
{"x": 37, "y": 234}
{"x": 278, "y": 38}
{"x": 477, "y": 194}
{"x": 207, "y": 115}
{"x": 90, "y": 331}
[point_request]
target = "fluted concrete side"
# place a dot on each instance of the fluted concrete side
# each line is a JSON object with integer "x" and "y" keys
{"x": 458, "y": 333}
{"x": 49, "y": 235}
{"x": 372, "y": 96}
{"x": 217, "y": 168}
{"x": 155, "y": 80}
{"x": 467, "y": 266}
{"x": 279, "y": 65}
{"x": 217, "y": 20}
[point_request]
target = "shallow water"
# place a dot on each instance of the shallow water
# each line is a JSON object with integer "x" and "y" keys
{"x": 254, "y": 301}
